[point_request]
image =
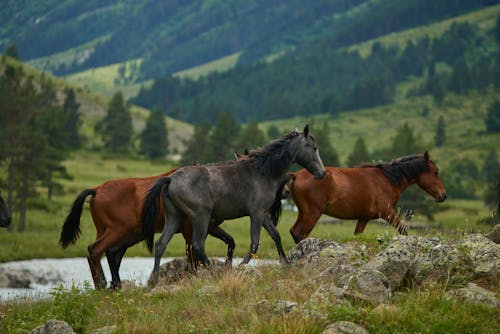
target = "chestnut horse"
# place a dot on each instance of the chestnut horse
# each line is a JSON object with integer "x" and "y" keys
{"x": 116, "y": 207}
{"x": 362, "y": 193}
{"x": 4, "y": 214}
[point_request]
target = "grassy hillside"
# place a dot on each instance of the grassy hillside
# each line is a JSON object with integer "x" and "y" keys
{"x": 93, "y": 105}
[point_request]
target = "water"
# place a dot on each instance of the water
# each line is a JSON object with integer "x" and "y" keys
{"x": 76, "y": 272}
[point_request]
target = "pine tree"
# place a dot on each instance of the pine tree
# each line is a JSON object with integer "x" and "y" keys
{"x": 72, "y": 123}
{"x": 197, "y": 146}
{"x": 273, "y": 132}
{"x": 328, "y": 153}
{"x": 116, "y": 127}
{"x": 404, "y": 143}
{"x": 440, "y": 135}
{"x": 12, "y": 51}
{"x": 251, "y": 137}
{"x": 491, "y": 166}
{"x": 359, "y": 154}
{"x": 492, "y": 119}
{"x": 154, "y": 140}
{"x": 223, "y": 139}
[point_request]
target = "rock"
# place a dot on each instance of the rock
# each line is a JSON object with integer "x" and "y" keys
{"x": 485, "y": 255}
{"x": 344, "y": 327}
{"x": 316, "y": 251}
{"x": 436, "y": 260}
{"x": 495, "y": 234}
{"x": 395, "y": 261}
{"x": 368, "y": 285}
{"x": 105, "y": 330}
{"x": 54, "y": 327}
{"x": 284, "y": 306}
{"x": 16, "y": 278}
{"x": 302, "y": 251}
{"x": 475, "y": 293}
{"x": 177, "y": 269}
{"x": 323, "y": 299}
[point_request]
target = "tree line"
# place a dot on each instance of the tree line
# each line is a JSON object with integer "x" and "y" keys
{"x": 329, "y": 80}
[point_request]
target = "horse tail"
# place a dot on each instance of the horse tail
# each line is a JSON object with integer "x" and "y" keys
{"x": 71, "y": 227}
{"x": 276, "y": 208}
{"x": 150, "y": 210}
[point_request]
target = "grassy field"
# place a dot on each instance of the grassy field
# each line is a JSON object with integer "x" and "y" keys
{"x": 90, "y": 169}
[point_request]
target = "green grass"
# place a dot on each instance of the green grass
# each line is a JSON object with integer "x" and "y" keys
{"x": 230, "y": 302}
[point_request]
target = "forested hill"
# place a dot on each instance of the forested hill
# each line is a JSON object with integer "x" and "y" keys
{"x": 328, "y": 79}
{"x": 166, "y": 36}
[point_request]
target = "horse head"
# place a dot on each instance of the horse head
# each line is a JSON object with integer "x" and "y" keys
{"x": 4, "y": 214}
{"x": 430, "y": 181}
{"x": 307, "y": 154}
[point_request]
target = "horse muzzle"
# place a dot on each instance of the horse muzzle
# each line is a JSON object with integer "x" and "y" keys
{"x": 320, "y": 174}
{"x": 440, "y": 198}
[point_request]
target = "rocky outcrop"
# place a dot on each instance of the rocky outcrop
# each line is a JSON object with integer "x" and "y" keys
{"x": 344, "y": 327}
{"x": 407, "y": 261}
{"x": 23, "y": 278}
{"x": 54, "y": 327}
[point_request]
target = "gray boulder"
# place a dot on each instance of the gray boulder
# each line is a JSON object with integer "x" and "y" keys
{"x": 344, "y": 327}
{"x": 495, "y": 234}
{"x": 368, "y": 285}
{"x": 485, "y": 255}
{"x": 475, "y": 293}
{"x": 54, "y": 326}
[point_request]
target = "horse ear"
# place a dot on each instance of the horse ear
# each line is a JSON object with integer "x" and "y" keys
{"x": 426, "y": 155}
{"x": 306, "y": 130}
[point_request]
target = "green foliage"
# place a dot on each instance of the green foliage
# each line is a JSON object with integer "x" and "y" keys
{"x": 440, "y": 136}
{"x": 12, "y": 51}
{"x": 197, "y": 147}
{"x": 492, "y": 119}
{"x": 224, "y": 138}
{"x": 251, "y": 137}
{"x": 73, "y": 120}
{"x": 327, "y": 152}
{"x": 359, "y": 153}
{"x": 116, "y": 127}
{"x": 154, "y": 140}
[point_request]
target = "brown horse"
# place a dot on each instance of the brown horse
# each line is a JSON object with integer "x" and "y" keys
{"x": 116, "y": 207}
{"x": 363, "y": 193}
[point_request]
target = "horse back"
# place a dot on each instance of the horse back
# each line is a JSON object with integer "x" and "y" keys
{"x": 118, "y": 203}
{"x": 346, "y": 193}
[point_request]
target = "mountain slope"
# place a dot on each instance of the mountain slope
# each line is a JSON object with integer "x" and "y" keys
{"x": 71, "y": 35}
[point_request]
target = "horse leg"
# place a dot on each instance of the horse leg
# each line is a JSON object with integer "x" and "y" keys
{"x": 200, "y": 229}
{"x": 273, "y": 232}
{"x": 255, "y": 227}
{"x": 360, "y": 226}
{"x": 219, "y": 233}
{"x": 306, "y": 220}
{"x": 393, "y": 219}
{"x": 96, "y": 250}
{"x": 115, "y": 255}
{"x": 171, "y": 227}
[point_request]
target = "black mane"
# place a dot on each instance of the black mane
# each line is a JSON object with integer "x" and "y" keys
{"x": 408, "y": 167}
{"x": 273, "y": 158}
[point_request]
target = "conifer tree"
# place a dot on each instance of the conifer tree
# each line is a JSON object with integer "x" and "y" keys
{"x": 154, "y": 140}
{"x": 224, "y": 137}
{"x": 440, "y": 135}
{"x": 491, "y": 166}
{"x": 72, "y": 120}
{"x": 273, "y": 132}
{"x": 197, "y": 146}
{"x": 359, "y": 154}
{"x": 251, "y": 137}
{"x": 116, "y": 127}
{"x": 328, "y": 153}
{"x": 492, "y": 119}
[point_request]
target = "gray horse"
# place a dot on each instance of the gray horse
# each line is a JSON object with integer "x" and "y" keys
{"x": 4, "y": 214}
{"x": 207, "y": 194}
